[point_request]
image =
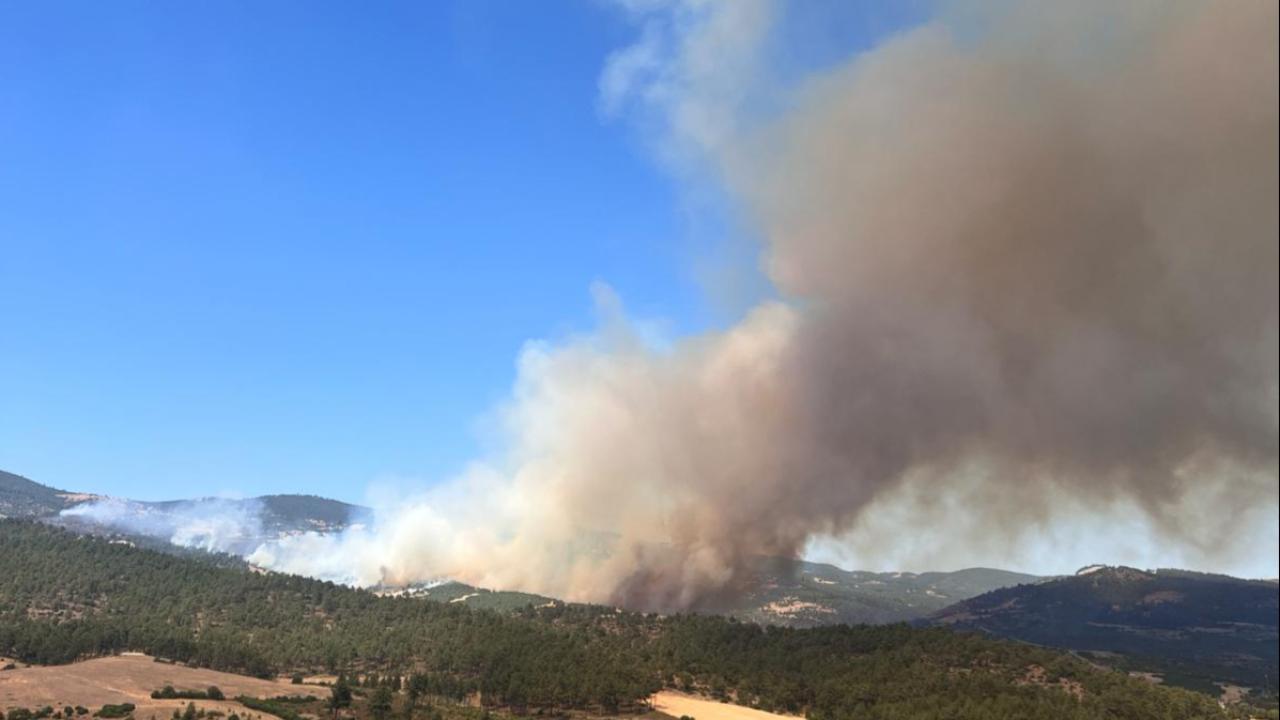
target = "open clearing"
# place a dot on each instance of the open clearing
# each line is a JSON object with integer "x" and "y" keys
{"x": 676, "y": 704}
{"x": 130, "y": 678}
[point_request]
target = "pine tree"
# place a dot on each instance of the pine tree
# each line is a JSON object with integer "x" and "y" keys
{"x": 380, "y": 703}
{"x": 340, "y": 695}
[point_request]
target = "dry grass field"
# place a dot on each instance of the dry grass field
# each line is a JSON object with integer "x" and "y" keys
{"x": 130, "y": 678}
{"x": 677, "y": 704}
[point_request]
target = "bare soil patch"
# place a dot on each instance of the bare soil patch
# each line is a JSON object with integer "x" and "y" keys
{"x": 676, "y": 704}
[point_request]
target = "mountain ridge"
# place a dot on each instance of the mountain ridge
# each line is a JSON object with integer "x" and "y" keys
{"x": 23, "y": 497}
{"x": 283, "y": 513}
{"x": 776, "y": 591}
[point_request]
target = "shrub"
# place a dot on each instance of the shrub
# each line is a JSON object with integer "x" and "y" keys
{"x": 169, "y": 693}
{"x": 272, "y": 707}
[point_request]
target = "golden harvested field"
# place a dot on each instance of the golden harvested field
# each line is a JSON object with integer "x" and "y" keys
{"x": 131, "y": 678}
{"x": 676, "y": 704}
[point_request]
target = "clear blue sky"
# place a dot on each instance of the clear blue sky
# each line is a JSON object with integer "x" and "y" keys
{"x": 258, "y": 247}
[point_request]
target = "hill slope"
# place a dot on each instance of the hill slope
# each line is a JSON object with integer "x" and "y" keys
{"x": 474, "y": 597}
{"x": 1195, "y": 629}
{"x": 64, "y": 596}
{"x": 789, "y": 593}
{"x": 805, "y": 594}
{"x": 24, "y": 498}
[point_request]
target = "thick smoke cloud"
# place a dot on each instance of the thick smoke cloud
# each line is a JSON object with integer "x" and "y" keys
{"x": 1027, "y": 270}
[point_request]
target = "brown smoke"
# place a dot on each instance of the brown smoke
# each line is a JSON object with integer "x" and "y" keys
{"x": 1032, "y": 261}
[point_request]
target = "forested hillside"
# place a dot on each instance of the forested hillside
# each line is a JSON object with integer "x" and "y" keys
{"x": 469, "y": 595}
{"x": 64, "y": 597}
{"x": 783, "y": 591}
{"x": 1194, "y": 629}
{"x": 23, "y": 498}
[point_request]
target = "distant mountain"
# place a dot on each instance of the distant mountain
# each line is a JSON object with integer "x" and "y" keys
{"x": 803, "y": 594}
{"x": 775, "y": 591}
{"x": 452, "y": 592}
{"x": 310, "y": 511}
{"x": 782, "y": 592}
{"x": 226, "y": 525}
{"x": 279, "y": 514}
{"x": 1186, "y": 628}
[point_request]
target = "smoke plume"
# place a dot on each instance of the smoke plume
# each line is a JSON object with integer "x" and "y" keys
{"x": 209, "y": 524}
{"x": 1026, "y": 288}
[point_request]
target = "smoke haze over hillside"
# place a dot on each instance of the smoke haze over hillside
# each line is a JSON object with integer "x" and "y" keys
{"x": 210, "y": 524}
{"x": 1026, "y": 314}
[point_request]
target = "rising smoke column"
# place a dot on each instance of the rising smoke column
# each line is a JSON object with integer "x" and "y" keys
{"x": 1027, "y": 270}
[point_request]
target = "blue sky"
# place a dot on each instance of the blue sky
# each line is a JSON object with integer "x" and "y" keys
{"x": 288, "y": 246}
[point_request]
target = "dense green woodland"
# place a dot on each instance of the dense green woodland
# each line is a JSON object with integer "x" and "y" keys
{"x": 1196, "y": 629}
{"x": 64, "y": 597}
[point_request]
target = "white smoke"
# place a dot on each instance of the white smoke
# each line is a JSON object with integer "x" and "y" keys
{"x": 210, "y": 524}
